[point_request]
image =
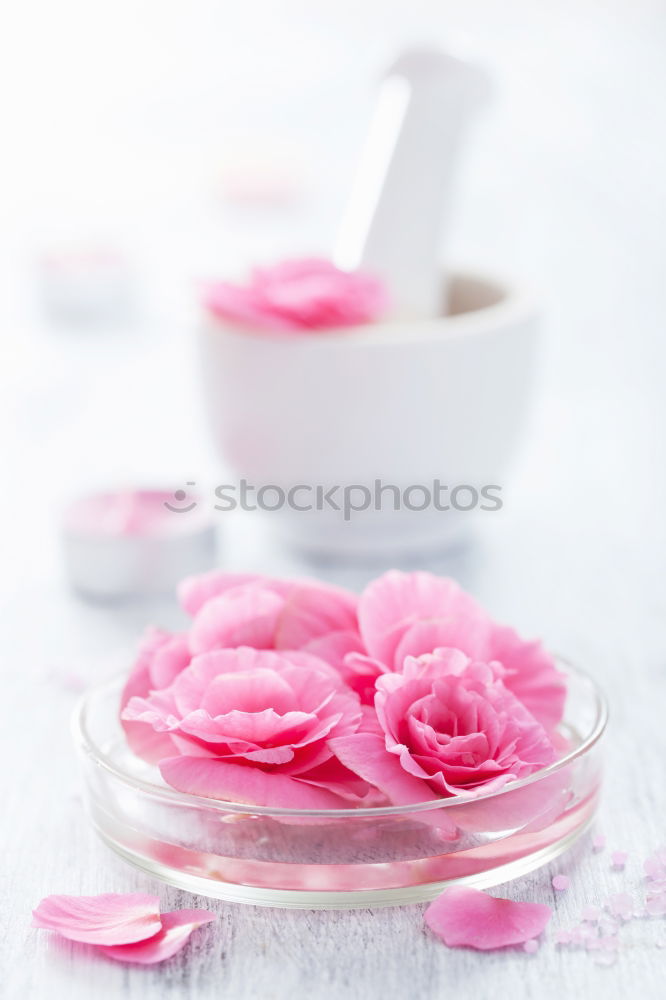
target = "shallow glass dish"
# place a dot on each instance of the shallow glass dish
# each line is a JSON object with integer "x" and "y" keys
{"x": 341, "y": 858}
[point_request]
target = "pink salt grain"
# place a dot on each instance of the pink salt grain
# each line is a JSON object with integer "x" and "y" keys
{"x": 621, "y": 905}
{"x": 619, "y": 859}
{"x": 599, "y": 842}
{"x": 560, "y": 882}
{"x": 591, "y": 913}
{"x": 563, "y": 937}
{"x": 531, "y": 946}
{"x": 656, "y": 907}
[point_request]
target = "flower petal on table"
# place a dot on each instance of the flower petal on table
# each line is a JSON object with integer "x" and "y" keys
{"x": 109, "y": 919}
{"x": 218, "y": 779}
{"x": 176, "y": 929}
{"x": 464, "y": 917}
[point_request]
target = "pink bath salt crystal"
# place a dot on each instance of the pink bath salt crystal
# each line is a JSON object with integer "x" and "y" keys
{"x": 656, "y": 907}
{"x": 531, "y": 946}
{"x": 621, "y": 905}
{"x": 593, "y": 944}
{"x": 579, "y": 935}
{"x": 599, "y": 842}
{"x": 465, "y": 917}
{"x": 563, "y": 937}
{"x": 560, "y": 882}
{"x": 591, "y": 913}
{"x": 619, "y": 859}
{"x": 655, "y": 865}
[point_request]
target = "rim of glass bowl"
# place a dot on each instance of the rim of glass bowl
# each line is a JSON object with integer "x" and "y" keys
{"x": 87, "y": 746}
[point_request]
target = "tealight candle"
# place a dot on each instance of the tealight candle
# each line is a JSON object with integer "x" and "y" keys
{"x": 86, "y": 284}
{"x": 136, "y": 542}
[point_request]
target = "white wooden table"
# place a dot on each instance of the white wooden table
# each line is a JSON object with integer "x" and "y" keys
{"x": 566, "y": 186}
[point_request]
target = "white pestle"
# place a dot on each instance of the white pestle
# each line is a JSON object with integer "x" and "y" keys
{"x": 401, "y": 199}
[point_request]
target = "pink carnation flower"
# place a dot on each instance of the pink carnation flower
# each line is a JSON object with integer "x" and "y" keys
{"x": 450, "y": 727}
{"x": 404, "y": 615}
{"x": 298, "y": 296}
{"x": 255, "y": 726}
{"x": 234, "y": 609}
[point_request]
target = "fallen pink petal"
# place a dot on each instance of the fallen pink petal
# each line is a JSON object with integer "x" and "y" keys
{"x": 174, "y": 934}
{"x": 297, "y": 296}
{"x": 465, "y": 917}
{"x": 108, "y": 919}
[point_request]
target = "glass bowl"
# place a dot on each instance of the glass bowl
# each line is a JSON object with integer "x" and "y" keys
{"x": 338, "y": 858}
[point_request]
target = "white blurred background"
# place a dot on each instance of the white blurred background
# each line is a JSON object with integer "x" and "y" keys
{"x": 196, "y": 138}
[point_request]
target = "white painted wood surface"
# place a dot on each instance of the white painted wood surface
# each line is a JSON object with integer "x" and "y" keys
{"x": 566, "y": 185}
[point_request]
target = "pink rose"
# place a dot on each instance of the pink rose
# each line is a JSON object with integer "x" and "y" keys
{"x": 298, "y": 296}
{"x": 450, "y": 726}
{"x": 255, "y": 726}
{"x": 404, "y": 615}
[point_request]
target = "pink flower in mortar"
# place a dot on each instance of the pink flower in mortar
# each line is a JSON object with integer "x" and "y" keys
{"x": 404, "y": 615}
{"x": 255, "y": 726}
{"x": 298, "y": 296}
{"x": 449, "y": 727}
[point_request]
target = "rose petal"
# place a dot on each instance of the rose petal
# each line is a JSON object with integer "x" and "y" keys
{"x": 334, "y": 648}
{"x": 217, "y": 779}
{"x": 195, "y": 591}
{"x": 176, "y": 929}
{"x": 532, "y": 675}
{"x": 314, "y": 611}
{"x": 465, "y": 917}
{"x": 247, "y": 616}
{"x": 144, "y": 741}
{"x": 365, "y": 754}
{"x": 109, "y": 919}
{"x": 394, "y": 601}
